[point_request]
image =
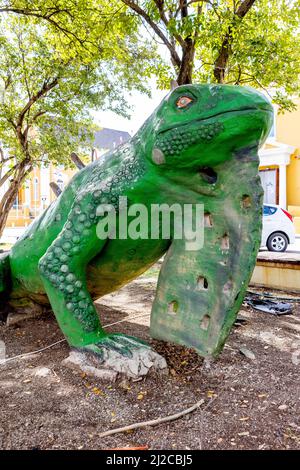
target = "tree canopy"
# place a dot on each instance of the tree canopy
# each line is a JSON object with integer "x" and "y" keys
{"x": 243, "y": 42}
{"x": 49, "y": 83}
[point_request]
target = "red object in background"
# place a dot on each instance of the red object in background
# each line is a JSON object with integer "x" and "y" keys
{"x": 288, "y": 214}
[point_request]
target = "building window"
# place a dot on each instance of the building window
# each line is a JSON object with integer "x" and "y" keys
{"x": 269, "y": 181}
{"x": 16, "y": 203}
{"x": 60, "y": 183}
{"x": 36, "y": 189}
{"x": 60, "y": 180}
{"x": 272, "y": 134}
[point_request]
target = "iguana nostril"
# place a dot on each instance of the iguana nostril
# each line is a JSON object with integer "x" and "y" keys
{"x": 225, "y": 242}
{"x": 173, "y": 307}
{"x": 207, "y": 220}
{"x": 208, "y": 174}
{"x": 237, "y": 296}
{"x": 202, "y": 283}
{"x": 205, "y": 322}
{"x": 246, "y": 201}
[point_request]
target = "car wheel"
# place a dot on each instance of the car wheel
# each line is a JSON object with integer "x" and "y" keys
{"x": 277, "y": 242}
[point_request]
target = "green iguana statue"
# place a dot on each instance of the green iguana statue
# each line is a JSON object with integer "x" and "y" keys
{"x": 198, "y": 147}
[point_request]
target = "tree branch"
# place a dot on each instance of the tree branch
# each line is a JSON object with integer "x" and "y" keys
{"x": 8, "y": 174}
{"x": 222, "y": 59}
{"x": 137, "y": 9}
{"x": 47, "y": 86}
{"x": 36, "y": 14}
{"x": 160, "y": 6}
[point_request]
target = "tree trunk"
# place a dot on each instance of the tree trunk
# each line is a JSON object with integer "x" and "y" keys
{"x": 187, "y": 63}
{"x": 9, "y": 197}
{"x": 222, "y": 59}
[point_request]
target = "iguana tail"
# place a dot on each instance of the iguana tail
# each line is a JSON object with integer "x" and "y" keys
{"x": 5, "y": 279}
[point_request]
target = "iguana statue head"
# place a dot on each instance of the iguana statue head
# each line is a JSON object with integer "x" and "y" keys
{"x": 194, "y": 122}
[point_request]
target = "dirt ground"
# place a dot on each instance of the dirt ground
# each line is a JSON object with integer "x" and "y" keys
{"x": 248, "y": 403}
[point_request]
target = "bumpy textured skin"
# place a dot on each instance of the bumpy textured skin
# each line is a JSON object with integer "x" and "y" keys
{"x": 205, "y": 153}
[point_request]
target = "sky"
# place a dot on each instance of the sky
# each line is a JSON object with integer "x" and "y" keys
{"x": 142, "y": 107}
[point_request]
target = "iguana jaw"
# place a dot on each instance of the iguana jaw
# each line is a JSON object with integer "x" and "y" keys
{"x": 263, "y": 109}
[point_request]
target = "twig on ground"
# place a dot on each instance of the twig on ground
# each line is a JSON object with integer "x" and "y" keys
{"x": 153, "y": 422}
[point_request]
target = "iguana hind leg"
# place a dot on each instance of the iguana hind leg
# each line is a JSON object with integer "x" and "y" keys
{"x": 63, "y": 271}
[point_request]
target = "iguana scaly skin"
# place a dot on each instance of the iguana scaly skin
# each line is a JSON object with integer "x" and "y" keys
{"x": 198, "y": 147}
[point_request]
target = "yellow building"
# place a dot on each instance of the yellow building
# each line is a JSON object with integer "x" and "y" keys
{"x": 280, "y": 163}
{"x": 35, "y": 194}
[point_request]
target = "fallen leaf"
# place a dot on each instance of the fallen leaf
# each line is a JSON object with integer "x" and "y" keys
{"x": 97, "y": 391}
{"x": 211, "y": 394}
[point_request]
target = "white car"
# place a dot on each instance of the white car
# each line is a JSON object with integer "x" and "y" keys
{"x": 278, "y": 229}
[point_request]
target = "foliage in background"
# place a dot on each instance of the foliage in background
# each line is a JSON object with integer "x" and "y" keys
{"x": 243, "y": 42}
{"x": 49, "y": 83}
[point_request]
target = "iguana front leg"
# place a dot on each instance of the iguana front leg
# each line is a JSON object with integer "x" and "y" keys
{"x": 63, "y": 271}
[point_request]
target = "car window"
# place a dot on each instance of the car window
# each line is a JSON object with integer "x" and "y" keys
{"x": 269, "y": 210}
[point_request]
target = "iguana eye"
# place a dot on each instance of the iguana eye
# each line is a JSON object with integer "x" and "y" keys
{"x": 183, "y": 102}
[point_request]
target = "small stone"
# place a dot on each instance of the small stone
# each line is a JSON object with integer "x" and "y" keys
{"x": 247, "y": 353}
{"x": 42, "y": 372}
{"x": 282, "y": 407}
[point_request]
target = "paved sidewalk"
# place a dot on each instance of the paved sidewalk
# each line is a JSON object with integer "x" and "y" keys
{"x": 292, "y": 253}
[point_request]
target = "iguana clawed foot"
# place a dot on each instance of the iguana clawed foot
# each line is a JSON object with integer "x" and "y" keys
{"x": 116, "y": 355}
